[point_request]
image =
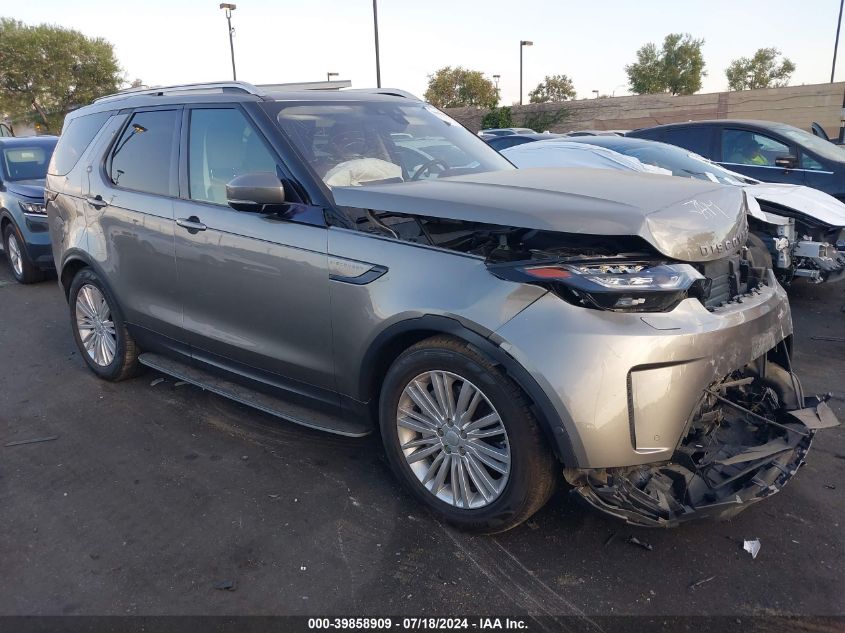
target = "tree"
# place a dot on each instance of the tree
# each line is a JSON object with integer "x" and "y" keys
{"x": 763, "y": 70}
{"x": 552, "y": 88}
{"x": 456, "y": 87}
{"x": 497, "y": 117}
{"x": 45, "y": 71}
{"x": 677, "y": 67}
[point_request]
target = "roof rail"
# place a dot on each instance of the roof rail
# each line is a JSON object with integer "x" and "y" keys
{"x": 393, "y": 92}
{"x": 207, "y": 87}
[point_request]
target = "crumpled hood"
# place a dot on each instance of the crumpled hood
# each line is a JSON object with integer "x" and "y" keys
{"x": 27, "y": 188}
{"x": 685, "y": 219}
{"x": 811, "y": 202}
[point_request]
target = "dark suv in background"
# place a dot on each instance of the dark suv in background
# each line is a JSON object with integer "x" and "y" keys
{"x": 771, "y": 152}
{"x": 23, "y": 221}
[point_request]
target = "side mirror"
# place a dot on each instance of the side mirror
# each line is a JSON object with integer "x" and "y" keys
{"x": 787, "y": 162}
{"x": 255, "y": 191}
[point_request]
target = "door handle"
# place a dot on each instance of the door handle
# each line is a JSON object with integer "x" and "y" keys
{"x": 96, "y": 201}
{"x": 192, "y": 223}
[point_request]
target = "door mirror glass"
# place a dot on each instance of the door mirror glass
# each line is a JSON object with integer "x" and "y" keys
{"x": 256, "y": 191}
{"x": 787, "y": 162}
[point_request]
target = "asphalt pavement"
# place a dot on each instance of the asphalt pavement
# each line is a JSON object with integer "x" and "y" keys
{"x": 160, "y": 498}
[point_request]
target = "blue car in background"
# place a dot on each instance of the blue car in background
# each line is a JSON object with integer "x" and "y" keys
{"x": 23, "y": 223}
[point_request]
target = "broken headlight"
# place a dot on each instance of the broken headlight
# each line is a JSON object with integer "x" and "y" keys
{"x": 615, "y": 285}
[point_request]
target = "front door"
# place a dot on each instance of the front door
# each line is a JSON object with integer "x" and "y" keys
{"x": 254, "y": 286}
{"x": 752, "y": 153}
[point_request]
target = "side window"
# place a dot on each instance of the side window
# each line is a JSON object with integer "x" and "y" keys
{"x": 221, "y": 145}
{"x": 808, "y": 162}
{"x": 75, "y": 139}
{"x": 744, "y": 147}
{"x": 143, "y": 157}
{"x": 695, "y": 139}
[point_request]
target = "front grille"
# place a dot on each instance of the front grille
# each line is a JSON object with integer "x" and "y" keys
{"x": 727, "y": 279}
{"x": 722, "y": 283}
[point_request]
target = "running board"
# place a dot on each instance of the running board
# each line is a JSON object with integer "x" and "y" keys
{"x": 298, "y": 414}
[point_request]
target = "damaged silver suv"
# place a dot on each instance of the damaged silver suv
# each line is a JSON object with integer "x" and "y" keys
{"x": 356, "y": 260}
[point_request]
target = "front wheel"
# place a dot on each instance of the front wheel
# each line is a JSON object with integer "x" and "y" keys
{"x": 461, "y": 436}
{"x": 23, "y": 269}
{"x": 99, "y": 329}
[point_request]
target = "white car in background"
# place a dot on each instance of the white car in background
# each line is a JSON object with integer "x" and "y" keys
{"x": 800, "y": 228}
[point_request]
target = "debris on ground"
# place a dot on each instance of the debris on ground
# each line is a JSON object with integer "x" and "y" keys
{"x": 633, "y": 540}
{"x": 752, "y": 547}
{"x": 225, "y": 585}
{"x": 610, "y": 538}
{"x": 698, "y": 583}
{"x": 834, "y": 339}
{"x": 157, "y": 381}
{"x": 274, "y": 496}
{"x": 180, "y": 383}
{"x": 828, "y": 486}
{"x": 34, "y": 440}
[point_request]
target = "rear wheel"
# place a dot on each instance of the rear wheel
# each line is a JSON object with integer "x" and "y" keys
{"x": 461, "y": 436}
{"x": 22, "y": 267}
{"x": 99, "y": 329}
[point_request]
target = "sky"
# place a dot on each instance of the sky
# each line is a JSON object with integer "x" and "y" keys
{"x": 184, "y": 41}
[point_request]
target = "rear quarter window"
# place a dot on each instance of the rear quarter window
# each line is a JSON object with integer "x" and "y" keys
{"x": 73, "y": 142}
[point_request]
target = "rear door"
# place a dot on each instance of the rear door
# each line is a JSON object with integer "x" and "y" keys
{"x": 753, "y": 153}
{"x": 129, "y": 217}
{"x": 254, "y": 286}
{"x": 698, "y": 139}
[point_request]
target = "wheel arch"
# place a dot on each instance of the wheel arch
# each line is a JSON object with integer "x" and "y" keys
{"x": 398, "y": 337}
{"x": 72, "y": 262}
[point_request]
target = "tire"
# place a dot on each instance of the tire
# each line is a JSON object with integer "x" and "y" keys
{"x": 92, "y": 304}
{"x": 493, "y": 504}
{"x": 758, "y": 253}
{"x": 22, "y": 267}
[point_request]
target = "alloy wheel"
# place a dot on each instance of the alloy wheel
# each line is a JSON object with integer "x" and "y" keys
{"x": 15, "y": 256}
{"x": 453, "y": 439}
{"x": 95, "y": 325}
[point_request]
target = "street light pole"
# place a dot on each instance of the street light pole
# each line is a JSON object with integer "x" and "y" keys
{"x": 375, "y": 28}
{"x": 229, "y": 8}
{"x": 330, "y": 75}
{"x": 521, "y": 44}
{"x": 836, "y": 45}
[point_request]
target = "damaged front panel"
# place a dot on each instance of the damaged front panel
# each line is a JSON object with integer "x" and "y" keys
{"x": 746, "y": 440}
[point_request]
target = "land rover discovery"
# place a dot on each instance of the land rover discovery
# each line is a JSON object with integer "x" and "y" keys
{"x": 357, "y": 261}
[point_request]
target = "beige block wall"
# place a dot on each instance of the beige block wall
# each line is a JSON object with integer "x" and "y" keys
{"x": 796, "y": 105}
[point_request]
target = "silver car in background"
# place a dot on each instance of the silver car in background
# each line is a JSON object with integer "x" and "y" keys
{"x": 358, "y": 261}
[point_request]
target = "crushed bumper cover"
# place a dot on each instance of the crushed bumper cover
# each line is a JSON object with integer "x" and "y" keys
{"x": 731, "y": 457}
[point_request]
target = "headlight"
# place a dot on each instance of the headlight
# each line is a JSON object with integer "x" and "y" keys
{"x": 34, "y": 208}
{"x": 615, "y": 285}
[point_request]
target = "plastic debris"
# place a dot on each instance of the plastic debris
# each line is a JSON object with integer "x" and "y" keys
{"x": 633, "y": 540}
{"x": 180, "y": 383}
{"x": 34, "y": 440}
{"x": 225, "y": 585}
{"x": 703, "y": 581}
{"x": 752, "y": 547}
{"x": 828, "y": 486}
{"x": 157, "y": 381}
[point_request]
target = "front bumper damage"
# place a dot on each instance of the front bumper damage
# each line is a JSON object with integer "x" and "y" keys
{"x": 746, "y": 440}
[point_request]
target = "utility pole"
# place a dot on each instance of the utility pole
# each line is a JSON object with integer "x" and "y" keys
{"x": 522, "y": 43}
{"x": 836, "y": 45}
{"x": 229, "y": 8}
{"x": 375, "y": 28}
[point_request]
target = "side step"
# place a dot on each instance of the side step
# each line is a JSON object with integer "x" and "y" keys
{"x": 273, "y": 405}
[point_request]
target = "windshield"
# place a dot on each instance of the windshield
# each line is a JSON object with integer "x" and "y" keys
{"x": 352, "y": 143}
{"x": 677, "y": 160}
{"x": 26, "y": 162}
{"x": 823, "y": 148}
